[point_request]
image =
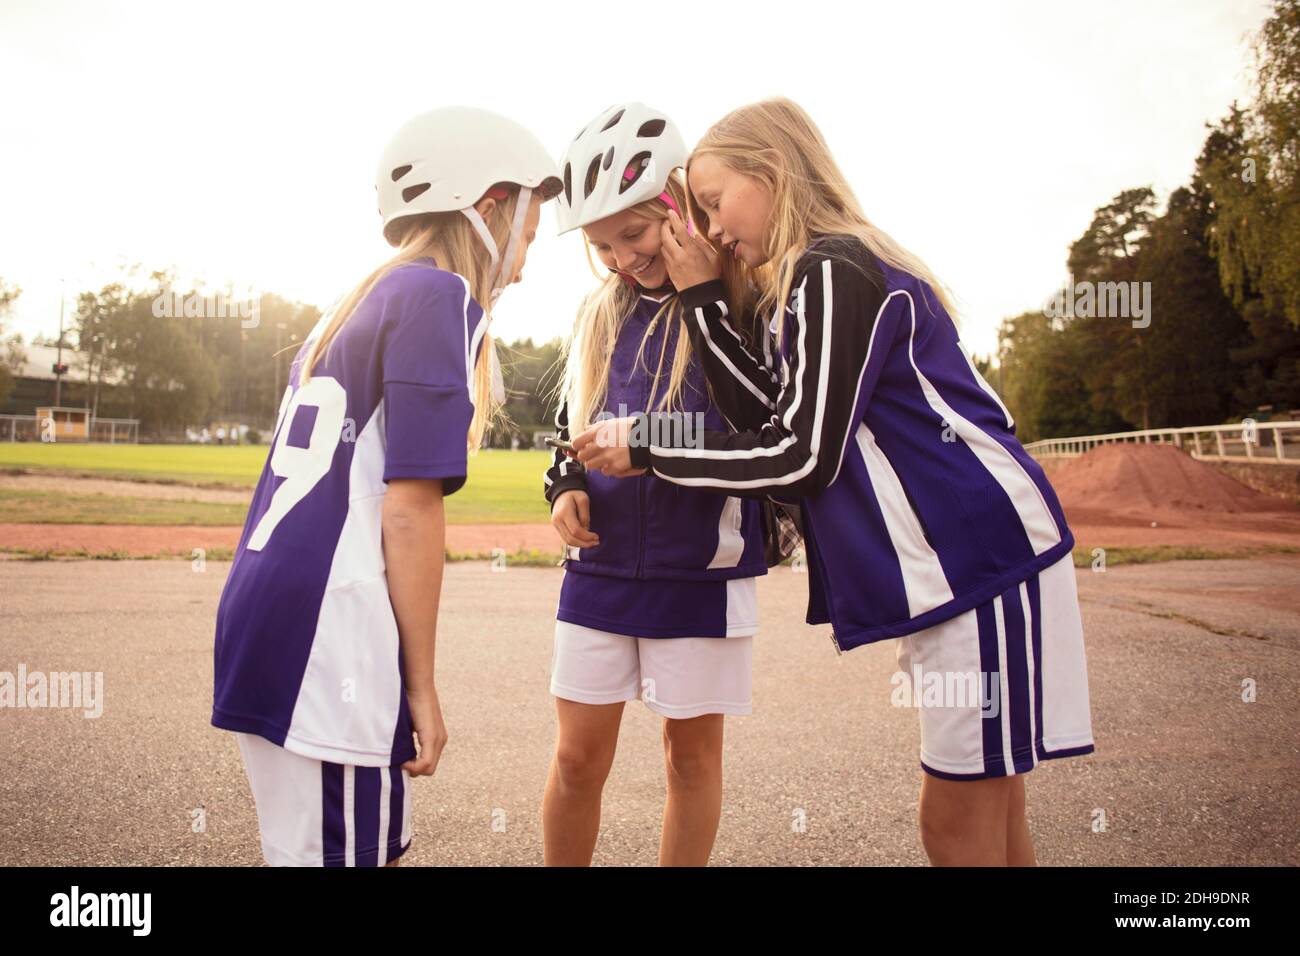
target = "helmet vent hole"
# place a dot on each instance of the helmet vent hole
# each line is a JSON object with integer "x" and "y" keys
{"x": 593, "y": 171}
{"x": 609, "y": 158}
{"x": 399, "y": 172}
{"x": 410, "y": 192}
{"x": 640, "y": 162}
{"x": 568, "y": 182}
{"x": 613, "y": 120}
{"x": 652, "y": 128}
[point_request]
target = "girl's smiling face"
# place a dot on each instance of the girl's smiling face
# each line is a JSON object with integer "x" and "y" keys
{"x": 738, "y": 207}
{"x": 629, "y": 244}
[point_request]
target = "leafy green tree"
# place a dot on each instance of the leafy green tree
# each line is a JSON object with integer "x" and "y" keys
{"x": 1041, "y": 381}
{"x": 1185, "y": 353}
{"x": 168, "y": 381}
{"x": 1251, "y": 165}
{"x": 1113, "y": 353}
{"x": 11, "y": 350}
{"x": 1268, "y": 362}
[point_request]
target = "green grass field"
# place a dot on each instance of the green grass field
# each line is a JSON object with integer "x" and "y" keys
{"x": 504, "y": 487}
{"x": 236, "y": 466}
{"x": 48, "y": 507}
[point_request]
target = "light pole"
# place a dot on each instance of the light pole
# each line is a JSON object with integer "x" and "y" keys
{"x": 58, "y": 362}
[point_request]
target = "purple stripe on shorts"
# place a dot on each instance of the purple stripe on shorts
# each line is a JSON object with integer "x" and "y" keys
{"x": 365, "y": 814}
{"x": 945, "y": 775}
{"x": 1017, "y": 666}
{"x": 396, "y": 803}
{"x": 990, "y": 730}
{"x": 333, "y": 832}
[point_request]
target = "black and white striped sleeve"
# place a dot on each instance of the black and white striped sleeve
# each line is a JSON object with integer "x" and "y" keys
{"x": 744, "y": 388}
{"x": 798, "y": 451}
{"x": 564, "y": 473}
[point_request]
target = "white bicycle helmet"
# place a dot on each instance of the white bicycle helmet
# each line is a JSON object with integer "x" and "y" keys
{"x": 446, "y": 160}
{"x": 621, "y": 158}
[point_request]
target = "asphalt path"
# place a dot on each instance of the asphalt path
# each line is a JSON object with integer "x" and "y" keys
{"x": 825, "y": 771}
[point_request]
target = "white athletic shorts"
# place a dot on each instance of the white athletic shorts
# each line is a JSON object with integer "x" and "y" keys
{"x": 1004, "y": 685}
{"x": 676, "y": 677}
{"x": 315, "y": 813}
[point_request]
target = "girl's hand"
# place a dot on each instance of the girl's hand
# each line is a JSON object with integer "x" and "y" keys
{"x": 603, "y": 447}
{"x": 690, "y": 259}
{"x": 571, "y": 517}
{"x": 430, "y": 731}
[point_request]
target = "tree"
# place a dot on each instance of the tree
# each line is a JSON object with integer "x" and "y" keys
{"x": 251, "y": 354}
{"x": 186, "y": 356}
{"x": 1110, "y": 350}
{"x": 168, "y": 379}
{"x": 1251, "y": 165}
{"x": 1268, "y": 361}
{"x": 12, "y": 355}
{"x": 1042, "y": 382}
{"x": 1108, "y": 249}
{"x": 1185, "y": 351}
{"x": 1081, "y": 373}
{"x": 94, "y": 325}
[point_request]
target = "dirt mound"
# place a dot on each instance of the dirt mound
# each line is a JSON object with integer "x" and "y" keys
{"x": 1155, "y": 482}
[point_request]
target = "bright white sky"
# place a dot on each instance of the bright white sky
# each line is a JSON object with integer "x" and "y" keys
{"x": 238, "y": 141}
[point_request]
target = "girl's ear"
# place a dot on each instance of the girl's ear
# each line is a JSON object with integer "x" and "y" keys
{"x": 485, "y": 207}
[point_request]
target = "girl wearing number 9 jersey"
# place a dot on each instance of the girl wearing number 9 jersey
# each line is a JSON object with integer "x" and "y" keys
{"x": 324, "y": 656}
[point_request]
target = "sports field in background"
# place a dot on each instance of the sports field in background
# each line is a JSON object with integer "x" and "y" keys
{"x": 504, "y": 486}
{"x": 145, "y": 500}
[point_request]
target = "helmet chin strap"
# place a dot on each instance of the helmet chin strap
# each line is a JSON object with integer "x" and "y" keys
{"x": 501, "y": 265}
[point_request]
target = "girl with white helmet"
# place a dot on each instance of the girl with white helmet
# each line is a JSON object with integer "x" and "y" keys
{"x": 658, "y": 600}
{"x": 324, "y": 656}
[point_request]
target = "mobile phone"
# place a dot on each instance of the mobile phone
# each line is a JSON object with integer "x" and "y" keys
{"x": 559, "y": 443}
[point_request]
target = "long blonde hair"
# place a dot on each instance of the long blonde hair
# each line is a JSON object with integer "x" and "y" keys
{"x": 588, "y": 353}
{"x": 776, "y": 142}
{"x": 450, "y": 239}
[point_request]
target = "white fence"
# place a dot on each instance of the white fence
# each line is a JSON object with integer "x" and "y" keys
{"x": 113, "y": 431}
{"x": 1271, "y": 442}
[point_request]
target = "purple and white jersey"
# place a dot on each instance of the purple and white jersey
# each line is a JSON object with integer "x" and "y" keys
{"x": 672, "y": 562}
{"x": 918, "y": 502}
{"x": 307, "y": 652}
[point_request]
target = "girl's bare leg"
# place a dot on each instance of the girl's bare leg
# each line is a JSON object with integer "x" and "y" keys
{"x": 584, "y": 752}
{"x": 693, "y": 758}
{"x": 1020, "y": 844}
{"x": 965, "y": 822}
